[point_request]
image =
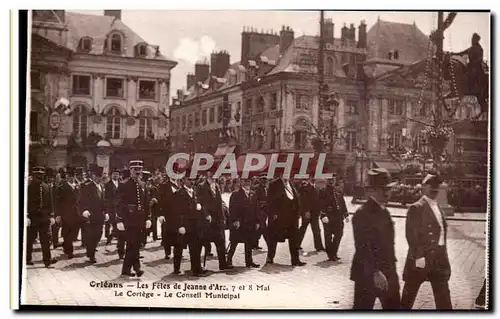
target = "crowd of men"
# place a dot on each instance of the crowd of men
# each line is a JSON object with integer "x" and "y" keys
{"x": 192, "y": 214}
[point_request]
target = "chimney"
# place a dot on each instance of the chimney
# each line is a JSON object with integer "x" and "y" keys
{"x": 219, "y": 63}
{"x": 396, "y": 55}
{"x": 344, "y": 35}
{"x": 113, "y": 13}
{"x": 362, "y": 36}
{"x": 352, "y": 33}
{"x": 180, "y": 95}
{"x": 328, "y": 29}
{"x": 201, "y": 71}
{"x": 191, "y": 80}
{"x": 286, "y": 38}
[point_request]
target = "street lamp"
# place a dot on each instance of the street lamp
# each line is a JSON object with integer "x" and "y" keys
{"x": 460, "y": 151}
{"x": 360, "y": 153}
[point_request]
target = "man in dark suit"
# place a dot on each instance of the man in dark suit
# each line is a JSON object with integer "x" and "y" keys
{"x": 187, "y": 219}
{"x": 333, "y": 214}
{"x": 209, "y": 196}
{"x": 167, "y": 215}
{"x": 261, "y": 206}
{"x": 309, "y": 205}
{"x": 427, "y": 258}
{"x": 50, "y": 179}
{"x": 40, "y": 216}
{"x": 111, "y": 187}
{"x": 153, "y": 201}
{"x": 283, "y": 219}
{"x": 93, "y": 209}
{"x": 67, "y": 210}
{"x": 374, "y": 264}
{"x": 244, "y": 221}
{"x": 133, "y": 216}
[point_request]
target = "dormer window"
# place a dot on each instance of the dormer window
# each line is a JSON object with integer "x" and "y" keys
{"x": 141, "y": 49}
{"x": 116, "y": 43}
{"x": 85, "y": 45}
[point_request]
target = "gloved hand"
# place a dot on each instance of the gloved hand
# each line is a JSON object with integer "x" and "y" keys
{"x": 106, "y": 217}
{"x": 86, "y": 214}
{"x": 209, "y": 218}
{"x": 236, "y": 224}
{"x": 120, "y": 226}
{"x": 198, "y": 206}
{"x": 161, "y": 219}
{"x": 148, "y": 224}
{"x": 182, "y": 230}
{"x": 325, "y": 220}
{"x": 28, "y": 222}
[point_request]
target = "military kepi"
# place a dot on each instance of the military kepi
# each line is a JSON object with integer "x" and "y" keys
{"x": 38, "y": 170}
{"x": 136, "y": 164}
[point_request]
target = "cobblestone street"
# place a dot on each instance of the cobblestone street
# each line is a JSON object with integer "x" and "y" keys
{"x": 320, "y": 284}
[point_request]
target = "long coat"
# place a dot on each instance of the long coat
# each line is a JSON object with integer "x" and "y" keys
{"x": 128, "y": 204}
{"x": 168, "y": 208}
{"x": 186, "y": 216}
{"x": 211, "y": 205}
{"x": 332, "y": 206}
{"x": 422, "y": 234}
{"x": 309, "y": 200}
{"x": 92, "y": 199}
{"x": 288, "y": 211}
{"x": 374, "y": 242}
{"x": 67, "y": 204}
{"x": 39, "y": 215}
{"x": 243, "y": 208}
{"x": 111, "y": 199}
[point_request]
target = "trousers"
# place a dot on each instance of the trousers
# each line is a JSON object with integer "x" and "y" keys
{"x": 365, "y": 293}
{"x": 43, "y": 232}
{"x": 133, "y": 239}
{"x": 314, "y": 222}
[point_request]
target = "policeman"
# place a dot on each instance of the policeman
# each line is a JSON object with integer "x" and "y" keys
{"x": 133, "y": 217}
{"x": 93, "y": 210}
{"x": 40, "y": 216}
{"x": 374, "y": 264}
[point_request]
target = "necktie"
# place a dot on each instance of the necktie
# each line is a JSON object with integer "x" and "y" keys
{"x": 41, "y": 196}
{"x": 289, "y": 192}
{"x": 139, "y": 206}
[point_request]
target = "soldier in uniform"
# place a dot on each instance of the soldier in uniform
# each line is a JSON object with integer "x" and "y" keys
{"x": 187, "y": 220}
{"x": 92, "y": 206}
{"x": 167, "y": 214}
{"x": 40, "y": 216}
{"x": 333, "y": 214}
{"x": 209, "y": 196}
{"x": 374, "y": 264}
{"x": 309, "y": 204}
{"x": 427, "y": 258}
{"x": 67, "y": 210}
{"x": 133, "y": 216}
{"x": 283, "y": 219}
{"x": 244, "y": 220}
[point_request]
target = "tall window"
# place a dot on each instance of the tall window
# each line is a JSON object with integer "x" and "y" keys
{"x": 80, "y": 118}
{"x": 396, "y": 107}
{"x": 424, "y": 109}
{"x": 352, "y": 107}
{"x": 36, "y": 80}
{"x": 114, "y": 87}
{"x": 81, "y": 84}
{"x": 113, "y": 124}
{"x": 330, "y": 66}
{"x": 116, "y": 43}
{"x": 146, "y": 123}
{"x": 219, "y": 113}
{"x": 190, "y": 121}
{"x": 85, "y": 44}
{"x": 147, "y": 90}
{"x": 300, "y": 139}
{"x": 248, "y": 107}
{"x": 204, "y": 117}
{"x": 350, "y": 141}
{"x": 34, "y": 134}
{"x": 419, "y": 141}
{"x": 274, "y": 101}
{"x": 395, "y": 139}
{"x": 183, "y": 122}
{"x": 211, "y": 115}
{"x": 272, "y": 143}
{"x": 197, "y": 119}
{"x": 302, "y": 102}
{"x": 260, "y": 105}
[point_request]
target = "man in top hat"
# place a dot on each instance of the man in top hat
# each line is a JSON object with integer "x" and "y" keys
{"x": 40, "y": 216}
{"x": 133, "y": 216}
{"x": 283, "y": 219}
{"x": 260, "y": 190}
{"x": 209, "y": 196}
{"x": 93, "y": 210}
{"x": 333, "y": 214}
{"x": 110, "y": 196}
{"x": 310, "y": 206}
{"x": 67, "y": 210}
{"x": 427, "y": 258}
{"x": 374, "y": 264}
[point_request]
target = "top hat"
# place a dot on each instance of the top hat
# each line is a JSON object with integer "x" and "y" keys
{"x": 380, "y": 177}
{"x": 97, "y": 170}
{"x": 115, "y": 170}
{"x": 433, "y": 180}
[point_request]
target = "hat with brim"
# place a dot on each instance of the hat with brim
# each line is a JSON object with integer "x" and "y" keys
{"x": 379, "y": 177}
{"x": 136, "y": 164}
{"x": 146, "y": 175}
{"x": 38, "y": 170}
{"x": 433, "y": 180}
{"x": 97, "y": 170}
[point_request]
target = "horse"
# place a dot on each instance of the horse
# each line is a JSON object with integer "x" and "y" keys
{"x": 467, "y": 81}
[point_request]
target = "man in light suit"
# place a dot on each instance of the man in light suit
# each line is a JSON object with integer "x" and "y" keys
{"x": 427, "y": 258}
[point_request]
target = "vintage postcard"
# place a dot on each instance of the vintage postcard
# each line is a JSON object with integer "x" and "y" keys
{"x": 257, "y": 159}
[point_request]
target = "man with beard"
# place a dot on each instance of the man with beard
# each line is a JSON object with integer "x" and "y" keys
{"x": 374, "y": 264}
{"x": 187, "y": 219}
{"x": 283, "y": 219}
{"x": 427, "y": 258}
{"x": 333, "y": 214}
{"x": 67, "y": 210}
{"x": 93, "y": 210}
{"x": 168, "y": 215}
{"x": 40, "y": 216}
{"x": 209, "y": 196}
{"x": 133, "y": 216}
{"x": 309, "y": 204}
{"x": 244, "y": 220}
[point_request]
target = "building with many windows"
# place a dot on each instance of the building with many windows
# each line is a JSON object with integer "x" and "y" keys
{"x": 116, "y": 87}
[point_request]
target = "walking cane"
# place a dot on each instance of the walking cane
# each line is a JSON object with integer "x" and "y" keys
{"x": 205, "y": 257}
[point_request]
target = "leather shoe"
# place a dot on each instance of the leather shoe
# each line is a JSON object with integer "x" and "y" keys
{"x": 269, "y": 261}
{"x": 299, "y": 263}
{"x": 121, "y": 256}
{"x": 70, "y": 256}
{"x": 128, "y": 274}
{"x": 176, "y": 271}
{"x": 92, "y": 261}
{"x": 253, "y": 265}
{"x": 139, "y": 273}
{"x": 30, "y": 263}
{"x": 226, "y": 267}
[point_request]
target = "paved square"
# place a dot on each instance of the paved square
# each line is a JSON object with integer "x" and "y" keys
{"x": 320, "y": 284}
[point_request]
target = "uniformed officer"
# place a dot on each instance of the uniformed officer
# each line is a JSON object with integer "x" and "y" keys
{"x": 427, "y": 258}
{"x": 133, "y": 217}
{"x": 92, "y": 206}
{"x": 67, "y": 210}
{"x": 374, "y": 264}
{"x": 40, "y": 216}
{"x": 52, "y": 181}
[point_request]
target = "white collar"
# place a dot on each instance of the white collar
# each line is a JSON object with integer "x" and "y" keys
{"x": 190, "y": 190}
{"x": 430, "y": 200}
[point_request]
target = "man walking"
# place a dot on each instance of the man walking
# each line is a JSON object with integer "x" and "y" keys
{"x": 309, "y": 204}
{"x": 67, "y": 210}
{"x": 427, "y": 258}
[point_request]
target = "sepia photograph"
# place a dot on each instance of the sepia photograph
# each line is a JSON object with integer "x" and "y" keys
{"x": 249, "y": 159}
